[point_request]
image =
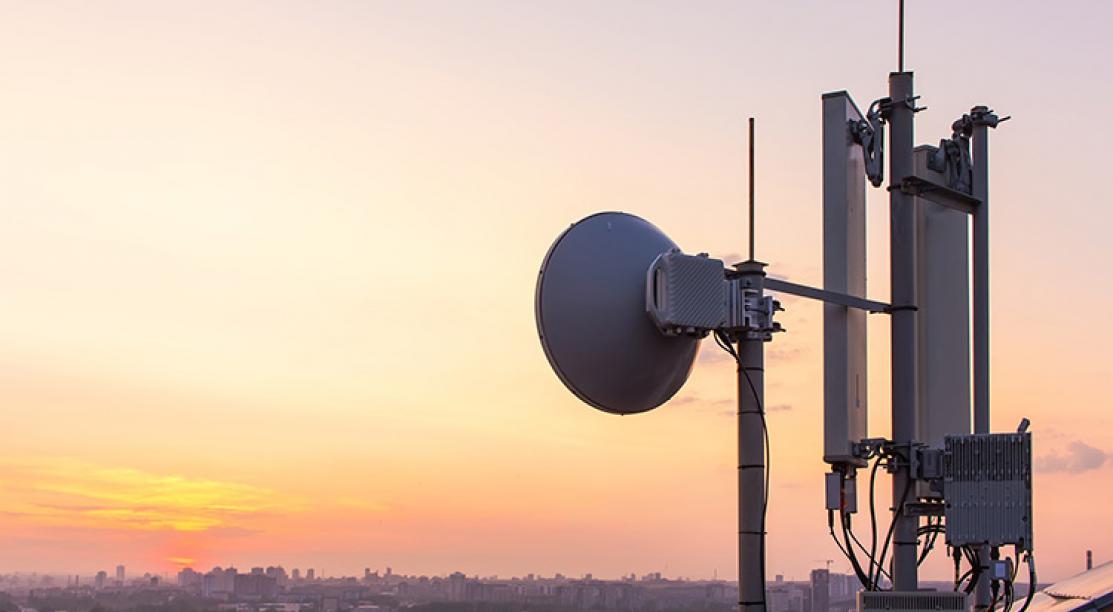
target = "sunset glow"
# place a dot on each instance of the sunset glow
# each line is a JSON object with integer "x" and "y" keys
{"x": 269, "y": 270}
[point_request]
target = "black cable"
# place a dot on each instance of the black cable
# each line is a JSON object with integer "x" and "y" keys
{"x": 724, "y": 342}
{"x": 844, "y": 523}
{"x": 849, "y": 554}
{"x": 929, "y": 543}
{"x": 958, "y": 563}
{"x": 1031, "y": 582}
{"x": 873, "y": 515}
{"x": 861, "y": 547}
{"x": 892, "y": 526}
{"x": 976, "y": 563}
{"x": 768, "y": 461}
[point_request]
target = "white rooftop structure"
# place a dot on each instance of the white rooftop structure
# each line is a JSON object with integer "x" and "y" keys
{"x": 1092, "y": 590}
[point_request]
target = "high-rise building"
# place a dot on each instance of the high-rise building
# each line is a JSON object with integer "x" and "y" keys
{"x": 457, "y": 586}
{"x": 821, "y": 590}
{"x": 255, "y": 586}
{"x": 219, "y": 582}
{"x": 278, "y": 574}
{"x": 295, "y": 575}
{"x": 189, "y": 579}
{"x": 119, "y": 575}
{"x": 101, "y": 579}
{"x": 310, "y": 574}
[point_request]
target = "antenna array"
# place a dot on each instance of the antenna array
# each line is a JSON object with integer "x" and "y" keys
{"x": 621, "y": 311}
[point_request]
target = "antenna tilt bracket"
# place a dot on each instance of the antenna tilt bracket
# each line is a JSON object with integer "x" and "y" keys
{"x": 870, "y": 134}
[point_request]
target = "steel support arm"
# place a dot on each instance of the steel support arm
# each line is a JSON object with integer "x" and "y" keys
{"x": 773, "y": 284}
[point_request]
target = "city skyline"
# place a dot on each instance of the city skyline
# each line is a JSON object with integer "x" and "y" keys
{"x": 273, "y": 589}
{"x": 269, "y": 273}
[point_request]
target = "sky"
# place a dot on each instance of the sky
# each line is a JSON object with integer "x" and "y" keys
{"x": 268, "y": 273}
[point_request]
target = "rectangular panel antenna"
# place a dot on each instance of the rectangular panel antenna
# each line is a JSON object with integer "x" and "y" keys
{"x": 844, "y": 271}
{"x": 943, "y": 287}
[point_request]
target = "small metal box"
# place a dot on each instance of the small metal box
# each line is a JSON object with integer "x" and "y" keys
{"x": 686, "y": 294}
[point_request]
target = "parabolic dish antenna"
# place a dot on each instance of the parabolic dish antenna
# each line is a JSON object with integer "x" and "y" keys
{"x": 591, "y": 315}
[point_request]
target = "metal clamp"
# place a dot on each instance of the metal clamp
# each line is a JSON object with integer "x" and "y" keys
{"x": 870, "y": 134}
{"x": 757, "y": 315}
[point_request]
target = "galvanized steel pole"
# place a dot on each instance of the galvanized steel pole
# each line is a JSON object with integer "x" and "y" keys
{"x": 980, "y": 188}
{"x": 902, "y": 246}
{"x": 751, "y": 458}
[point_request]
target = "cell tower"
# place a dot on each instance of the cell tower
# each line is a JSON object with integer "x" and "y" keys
{"x": 621, "y": 312}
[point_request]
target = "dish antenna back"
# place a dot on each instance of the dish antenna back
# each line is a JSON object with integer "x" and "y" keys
{"x": 590, "y": 306}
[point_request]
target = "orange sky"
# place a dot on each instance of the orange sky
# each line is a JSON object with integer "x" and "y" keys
{"x": 269, "y": 268}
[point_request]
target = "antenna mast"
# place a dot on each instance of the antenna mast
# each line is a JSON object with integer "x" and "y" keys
{"x": 900, "y": 36}
{"x": 752, "y": 189}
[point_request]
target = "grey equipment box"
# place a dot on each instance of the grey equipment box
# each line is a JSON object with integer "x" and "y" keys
{"x": 910, "y": 601}
{"x": 987, "y": 487}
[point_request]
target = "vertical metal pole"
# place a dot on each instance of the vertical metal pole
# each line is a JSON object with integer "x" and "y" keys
{"x": 751, "y": 189}
{"x": 900, "y": 36}
{"x": 751, "y": 459}
{"x": 902, "y": 239}
{"x": 980, "y": 188}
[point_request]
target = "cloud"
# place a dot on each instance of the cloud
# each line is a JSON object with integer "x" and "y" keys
{"x": 768, "y": 409}
{"x": 1078, "y": 457}
{"x": 785, "y": 354}
{"x": 729, "y": 259}
{"x": 711, "y": 353}
{"x": 697, "y": 400}
{"x": 71, "y": 493}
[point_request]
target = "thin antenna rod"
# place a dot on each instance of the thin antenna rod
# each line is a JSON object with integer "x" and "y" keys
{"x": 900, "y": 37}
{"x": 752, "y": 188}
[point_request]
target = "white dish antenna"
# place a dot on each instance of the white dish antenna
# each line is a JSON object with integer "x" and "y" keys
{"x": 591, "y": 315}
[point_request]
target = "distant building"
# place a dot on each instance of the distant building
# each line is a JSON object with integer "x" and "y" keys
{"x": 219, "y": 583}
{"x": 295, "y": 575}
{"x": 821, "y": 590}
{"x": 278, "y": 573}
{"x": 310, "y": 575}
{"x": 101, "y": 580}
{"x": 457, "y": 586}
{"x": 120, "y": 575}
{"x": 189, "y": 579}
{"x": 255, "y": 587}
